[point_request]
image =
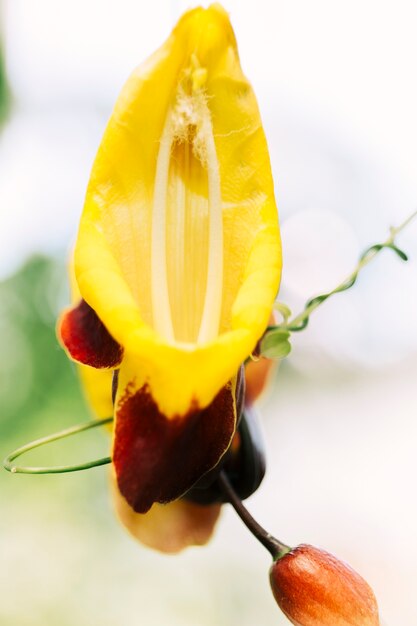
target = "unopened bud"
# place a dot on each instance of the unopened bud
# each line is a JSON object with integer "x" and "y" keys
{"x": 313, "y": 588}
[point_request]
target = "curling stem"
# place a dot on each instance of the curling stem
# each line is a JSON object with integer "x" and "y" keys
{"x": 58, "y": 469}
{"x": 365, "y": 259}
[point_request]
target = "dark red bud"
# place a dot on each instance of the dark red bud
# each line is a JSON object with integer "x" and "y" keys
{"x": 313, "y": 588}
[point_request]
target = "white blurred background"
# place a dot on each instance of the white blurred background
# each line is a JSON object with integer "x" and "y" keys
{"x": 336, "y": 85}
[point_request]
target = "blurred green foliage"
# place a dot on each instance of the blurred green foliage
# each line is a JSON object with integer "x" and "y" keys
{"x": 40, "y": 392}
{"x": 34, "y": 372}
{"x": 5, "y": 99}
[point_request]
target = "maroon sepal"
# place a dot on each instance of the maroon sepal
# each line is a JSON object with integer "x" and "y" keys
{"x": 158, "y": 459}
{"x": 87, "y": 339}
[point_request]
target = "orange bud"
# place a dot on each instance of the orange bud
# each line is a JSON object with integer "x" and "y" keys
{"x": 313, "y": 588}
{"x": 258, "y": 374}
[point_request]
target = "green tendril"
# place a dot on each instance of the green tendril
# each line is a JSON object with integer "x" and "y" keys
{"x": 275, "y": 342}
{"x": 57, "y": 469}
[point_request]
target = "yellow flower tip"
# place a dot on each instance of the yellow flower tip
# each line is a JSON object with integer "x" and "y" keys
{"x": 313, "y": 588}
{"x": 207, "y": 29}
{"x": 178, "y": 251}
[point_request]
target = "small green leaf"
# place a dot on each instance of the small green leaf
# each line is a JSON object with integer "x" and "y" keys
{"x": 400, "y": 252}
{"x": 275, "y": 344}
{"x": 283, "y": 309}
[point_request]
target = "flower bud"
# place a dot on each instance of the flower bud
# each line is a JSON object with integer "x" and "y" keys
{"x": 259, "y": 373}
{"x": 258, "y": 376}
{"x": 313, "y": 588}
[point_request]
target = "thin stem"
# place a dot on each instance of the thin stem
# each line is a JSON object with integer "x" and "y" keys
{"x": 57, "y": 469}
{"x": 300, "y": 321}
{"x": 276, "y": 548}
{"x": 406, "y": 222}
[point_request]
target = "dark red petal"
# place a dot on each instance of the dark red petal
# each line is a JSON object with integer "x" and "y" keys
{"x": 87, "y": 339}
{"x": 158, "y": 459}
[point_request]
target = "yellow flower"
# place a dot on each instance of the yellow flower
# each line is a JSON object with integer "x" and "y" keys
{"x": 177, "y": 259}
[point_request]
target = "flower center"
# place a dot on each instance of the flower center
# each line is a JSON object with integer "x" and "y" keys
{"x": 187, "y": 228}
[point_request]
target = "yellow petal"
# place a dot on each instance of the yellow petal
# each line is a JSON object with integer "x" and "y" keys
{"x": 168, "y": 527}
{"x": 97, "y": 385}
{"x": 178, "y": 250}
